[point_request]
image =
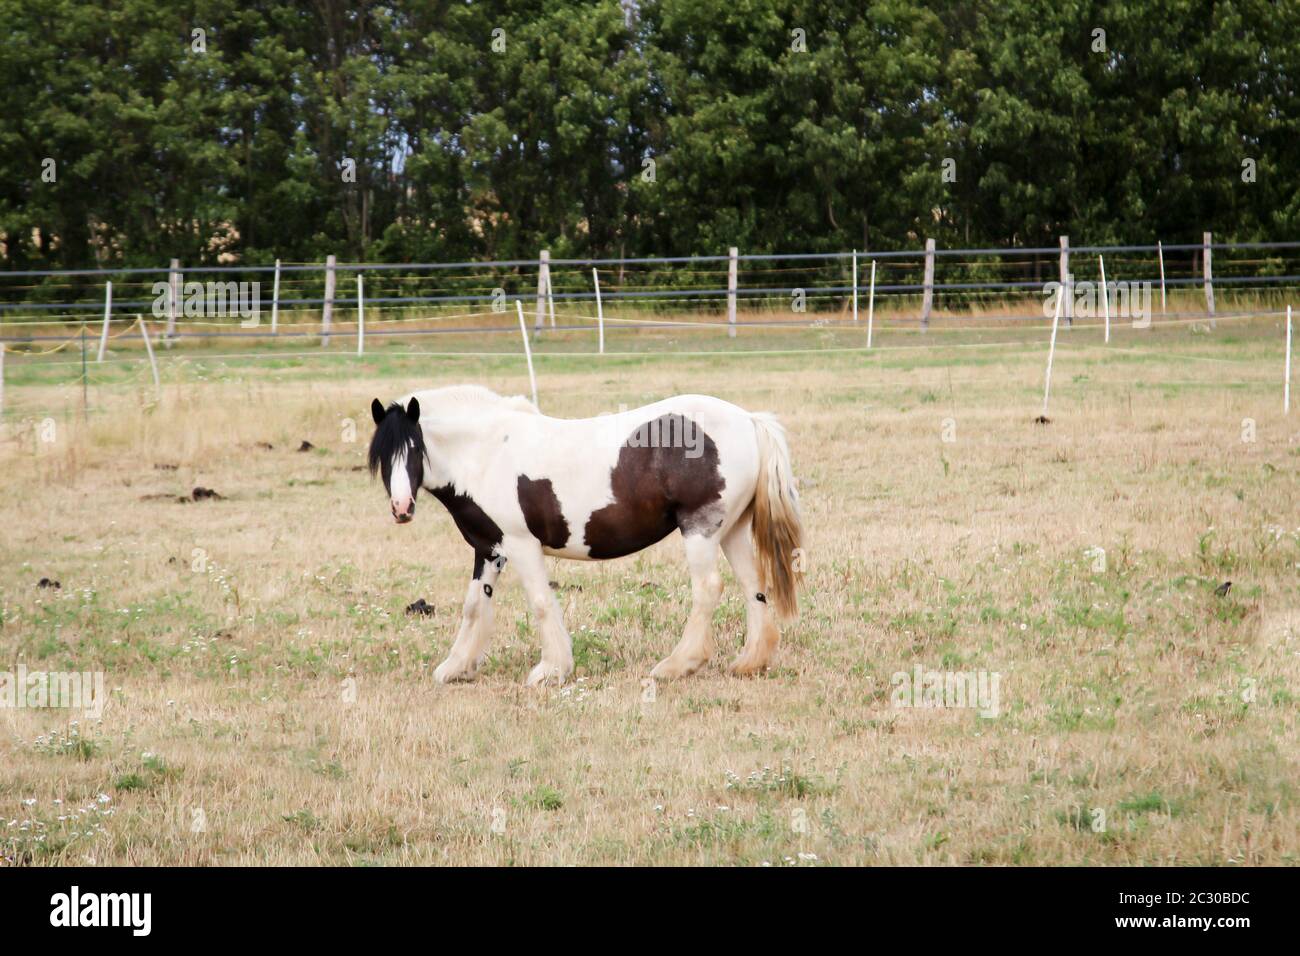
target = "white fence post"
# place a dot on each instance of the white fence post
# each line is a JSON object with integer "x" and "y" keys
{"x": 528, "y": 350}
{"x": 871, "y": 303}
{"x": 1208, "y": 272}
{"x": 732, "y": 253}
{"x": 1067, "y": 281}
{"x": 327, "y": 311}
{"x": 1160, "y": 251}
{"x": 1286, "y": 388}
{"x": 148, "y": 347}
{"x": 543, "y": 286}
{"x": 173, "y": 300}
{"x": 108, "y": 310}
{"x": 1105, "y": 295}
{"x": 1051, "y": 350}
{"x": 927, "y": 295}
{"x": 600, "y": 311}
{"x": 361, "y": 316}
{"x": 855, "y": 285}
{"x": 275, "y": 299}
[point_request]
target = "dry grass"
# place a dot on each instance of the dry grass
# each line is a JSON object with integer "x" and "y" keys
{"x": 231, "y": 631}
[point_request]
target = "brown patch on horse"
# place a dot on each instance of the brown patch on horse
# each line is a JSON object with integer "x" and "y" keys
{"x": 542, "y": 512}
{"x": 660, "y": 482}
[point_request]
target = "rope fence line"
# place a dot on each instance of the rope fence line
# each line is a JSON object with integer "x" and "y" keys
{"x": 906, "y": 327}
{"x": 679, "y": 294}
{"x": 587, "y": 293}
{"x": 1027, "y": 345}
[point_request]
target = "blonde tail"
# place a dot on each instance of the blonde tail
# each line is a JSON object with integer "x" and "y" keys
{"x": 778, "y": 534}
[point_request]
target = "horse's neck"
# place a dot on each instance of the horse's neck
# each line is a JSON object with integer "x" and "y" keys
{"x": 456, "y": 445}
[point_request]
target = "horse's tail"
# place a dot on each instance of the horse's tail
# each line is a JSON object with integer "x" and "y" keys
{"x": 778, "y": 533}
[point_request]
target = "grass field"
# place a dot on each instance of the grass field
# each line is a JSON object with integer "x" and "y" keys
{"x": 271, "y": 703}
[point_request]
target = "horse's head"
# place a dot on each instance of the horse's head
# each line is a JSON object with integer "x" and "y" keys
{"x": 397, "y": 452}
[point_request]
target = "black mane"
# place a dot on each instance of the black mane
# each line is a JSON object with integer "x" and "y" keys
{"x": 395, "y": 432}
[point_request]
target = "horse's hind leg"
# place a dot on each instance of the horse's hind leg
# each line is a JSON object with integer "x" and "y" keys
{"x": 471, "y": 644}
{"x": 696, "y": 645}
{"x": 761, "y": 634}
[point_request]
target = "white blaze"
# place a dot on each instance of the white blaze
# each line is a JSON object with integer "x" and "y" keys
{"x": 399, "y": 484}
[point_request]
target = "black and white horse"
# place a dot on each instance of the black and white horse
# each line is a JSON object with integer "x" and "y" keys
{"x": 521, "y": 485}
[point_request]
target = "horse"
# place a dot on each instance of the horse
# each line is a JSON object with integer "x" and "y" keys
{"x": 521, "y": 485}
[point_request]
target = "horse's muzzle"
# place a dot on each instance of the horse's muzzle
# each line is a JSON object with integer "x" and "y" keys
{"x": 404, "y": 516}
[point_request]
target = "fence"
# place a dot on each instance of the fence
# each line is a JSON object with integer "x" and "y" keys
{"x": 733, "y": 291}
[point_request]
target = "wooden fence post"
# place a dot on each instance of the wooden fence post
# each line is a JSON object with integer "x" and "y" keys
{"x": 543, "y": 287}
{"x": 732, "y": 255}
{"x": 855, "y": 285}
{"x": 173, "y": 301}
{"x": 327, "y": 311}
{"x": 927, "y": 296}
{"x": 1209, "y": 276}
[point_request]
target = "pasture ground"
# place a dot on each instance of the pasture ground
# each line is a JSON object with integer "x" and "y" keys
{"x": 1143, "y": 718}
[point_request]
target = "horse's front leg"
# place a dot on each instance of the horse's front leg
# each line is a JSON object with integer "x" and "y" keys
{"x": 557, "y": 650}
{"x": 475, "y": 634}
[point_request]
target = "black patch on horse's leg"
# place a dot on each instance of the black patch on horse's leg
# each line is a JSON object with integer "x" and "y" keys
{"x": 657, "y": 487}
{"x": 487, "y": 590}
{"x": 542, "y": 512}
{"x": 479, "y": 531}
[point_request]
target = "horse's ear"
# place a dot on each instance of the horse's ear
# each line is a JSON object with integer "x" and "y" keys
{"x": 413, "y": 410}
{"x": 377, "y": 411}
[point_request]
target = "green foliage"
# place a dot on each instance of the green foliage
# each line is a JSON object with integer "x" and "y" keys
{"x": 761, "y": 137}
{"x": 543, "y": 797}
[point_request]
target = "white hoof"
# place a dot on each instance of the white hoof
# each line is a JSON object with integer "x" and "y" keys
{"x": 748, "y": 665}
{"x": 545, "y": 673}
{"x": 670, "y": 668}
{"x": 452, "y": 670}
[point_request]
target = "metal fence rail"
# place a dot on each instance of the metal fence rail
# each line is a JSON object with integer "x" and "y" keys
{"x": 920, "y": 281}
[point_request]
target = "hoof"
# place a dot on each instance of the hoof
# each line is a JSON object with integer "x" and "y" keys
{"x": 545, "y": 674}
{"x": 670, "y": 669}
{"x": 449, "y": 671}
{"x": 745, "y": 666}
